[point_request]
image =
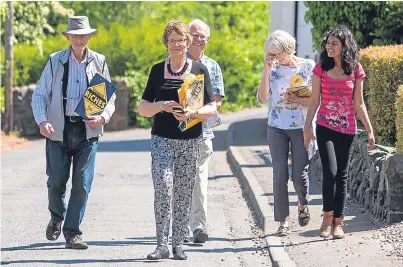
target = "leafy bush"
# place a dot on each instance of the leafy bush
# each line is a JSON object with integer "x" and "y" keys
{"x": 372, "y": 23}
{"x": 399, "y": 120}
{"x": 384, "y": 68}
{"x": 137, "y": 81}
{"x": 34, "y": 19}
{"x": 132, "y": 43}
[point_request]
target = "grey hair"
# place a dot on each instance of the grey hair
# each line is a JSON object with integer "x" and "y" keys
{"x": 280, "y": 41}
{"x": 201, "y": 23}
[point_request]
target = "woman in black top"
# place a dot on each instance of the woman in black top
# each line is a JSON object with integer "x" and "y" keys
{"x": 174, "y": 153}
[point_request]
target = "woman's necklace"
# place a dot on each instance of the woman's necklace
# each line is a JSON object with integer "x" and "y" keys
{"x": 180, "y": 73}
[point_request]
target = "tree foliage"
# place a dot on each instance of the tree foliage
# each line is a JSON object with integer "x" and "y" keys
{"x": 34, "y": 20}
{"x": 372, "y": 22}
{"x": 129, "y": 35}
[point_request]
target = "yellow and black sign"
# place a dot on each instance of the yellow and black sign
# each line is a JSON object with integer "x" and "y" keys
{"x": 95, "y": 99}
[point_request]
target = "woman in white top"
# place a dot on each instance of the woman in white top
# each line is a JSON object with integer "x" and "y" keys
{"x": 283, "y": 69}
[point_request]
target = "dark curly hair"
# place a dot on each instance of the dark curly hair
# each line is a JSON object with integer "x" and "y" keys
{"x": 349, "y": 52}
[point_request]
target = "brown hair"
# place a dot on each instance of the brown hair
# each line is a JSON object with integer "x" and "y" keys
{"x": 179, "y": 27}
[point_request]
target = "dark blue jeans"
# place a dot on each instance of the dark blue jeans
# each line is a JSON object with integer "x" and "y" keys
{"x": 77, "y": 150}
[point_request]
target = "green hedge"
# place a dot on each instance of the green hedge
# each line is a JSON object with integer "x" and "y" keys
{"x": 372, "y": 22}
{"x": 399, "y": 120}
{"x": 384, "y": 68}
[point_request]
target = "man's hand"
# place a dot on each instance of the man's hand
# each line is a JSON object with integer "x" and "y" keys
{"x": 46, "y": 129}
{"x": 95, "y": 121}
{"x": 218, "y": 101}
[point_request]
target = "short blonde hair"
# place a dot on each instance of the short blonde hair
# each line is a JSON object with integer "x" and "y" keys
{"x": 280, "y": 41}
{"x": 179, "y": 27}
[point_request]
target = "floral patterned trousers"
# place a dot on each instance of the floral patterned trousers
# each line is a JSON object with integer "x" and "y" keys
{"x": 174, "y": 170}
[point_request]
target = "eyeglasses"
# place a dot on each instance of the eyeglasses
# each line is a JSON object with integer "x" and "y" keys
{"x": 276, "y": 56}
{"x": 200, "y": 37}
{"x": 179, "y": 42}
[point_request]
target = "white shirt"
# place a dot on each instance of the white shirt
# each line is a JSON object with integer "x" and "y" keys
{"x": 281, "y": 115}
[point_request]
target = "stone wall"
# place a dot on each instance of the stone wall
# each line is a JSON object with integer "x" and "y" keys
{"x": 375, "y": 179}
{"x": 120, "y": 119}
{"x": 24, "y": 120}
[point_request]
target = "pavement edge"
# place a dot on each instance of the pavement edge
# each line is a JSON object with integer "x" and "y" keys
{"x": 259, "y": 203}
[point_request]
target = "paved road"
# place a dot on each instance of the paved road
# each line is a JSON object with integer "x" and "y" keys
{"x": 119, "y": 222}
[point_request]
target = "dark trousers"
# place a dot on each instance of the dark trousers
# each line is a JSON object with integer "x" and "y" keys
{"x": 334, "y": 150}
{"x": 79, "y": 152}
{"x": 279, "y": 143}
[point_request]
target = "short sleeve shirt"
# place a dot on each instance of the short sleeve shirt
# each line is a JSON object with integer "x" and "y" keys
{"x": 336, "y": 109}
{"x": 281, "y": 115}
{"x": 161, "y": 88}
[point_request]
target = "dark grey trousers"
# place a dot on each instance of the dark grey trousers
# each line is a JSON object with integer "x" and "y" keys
{"x": 279, "y": 142}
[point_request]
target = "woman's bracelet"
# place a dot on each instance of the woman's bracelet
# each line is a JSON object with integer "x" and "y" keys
{"x": 161, "y": 105}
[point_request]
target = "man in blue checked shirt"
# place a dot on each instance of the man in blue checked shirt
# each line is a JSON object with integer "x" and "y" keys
{"x": 70, "y": 140}
{"x": 200, "y": 32}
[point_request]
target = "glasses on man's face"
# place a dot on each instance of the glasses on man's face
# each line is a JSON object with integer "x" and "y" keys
{"x": 200, "y": 37}
{"x": 179, "y": 42}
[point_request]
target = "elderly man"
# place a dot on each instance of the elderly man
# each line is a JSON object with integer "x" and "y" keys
{"x": 200, "y": 32}
{"x": 70, "y": 140}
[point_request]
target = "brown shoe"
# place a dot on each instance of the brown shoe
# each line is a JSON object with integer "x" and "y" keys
{"x": 76, "y": 243}
{"x": 338, "y": 232}
{"x": 326, "y": 227}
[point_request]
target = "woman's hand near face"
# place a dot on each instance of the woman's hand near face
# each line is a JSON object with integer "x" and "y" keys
{"x": 268, "y": 63}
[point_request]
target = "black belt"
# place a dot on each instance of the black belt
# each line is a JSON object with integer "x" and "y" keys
{"x": 73, "y": 118}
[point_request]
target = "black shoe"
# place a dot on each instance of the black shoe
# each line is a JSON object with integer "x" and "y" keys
{"x": 53, "y": 230}
{"x": 304, "y": 216}
{"x": 199, "y": 236}
{"x": 186, "y": 240}
{"x": 161, "y": 252}
{"x": 179, "y": 254}
{"x": 76, "y": 243}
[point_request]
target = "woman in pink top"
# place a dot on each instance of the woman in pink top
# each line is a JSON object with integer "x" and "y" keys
{"x": 337, "y": 85}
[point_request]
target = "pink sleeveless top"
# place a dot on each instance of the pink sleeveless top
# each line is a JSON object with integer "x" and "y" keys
{"x": 336, "y": 110}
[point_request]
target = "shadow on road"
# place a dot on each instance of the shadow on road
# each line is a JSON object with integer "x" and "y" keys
{"x": 132, "y": 241}
{"x": 144, "y": 145}
{"x": 125, "y": 146}
{"x": 254, "y": 129}
{"x": 78, "y": 261}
